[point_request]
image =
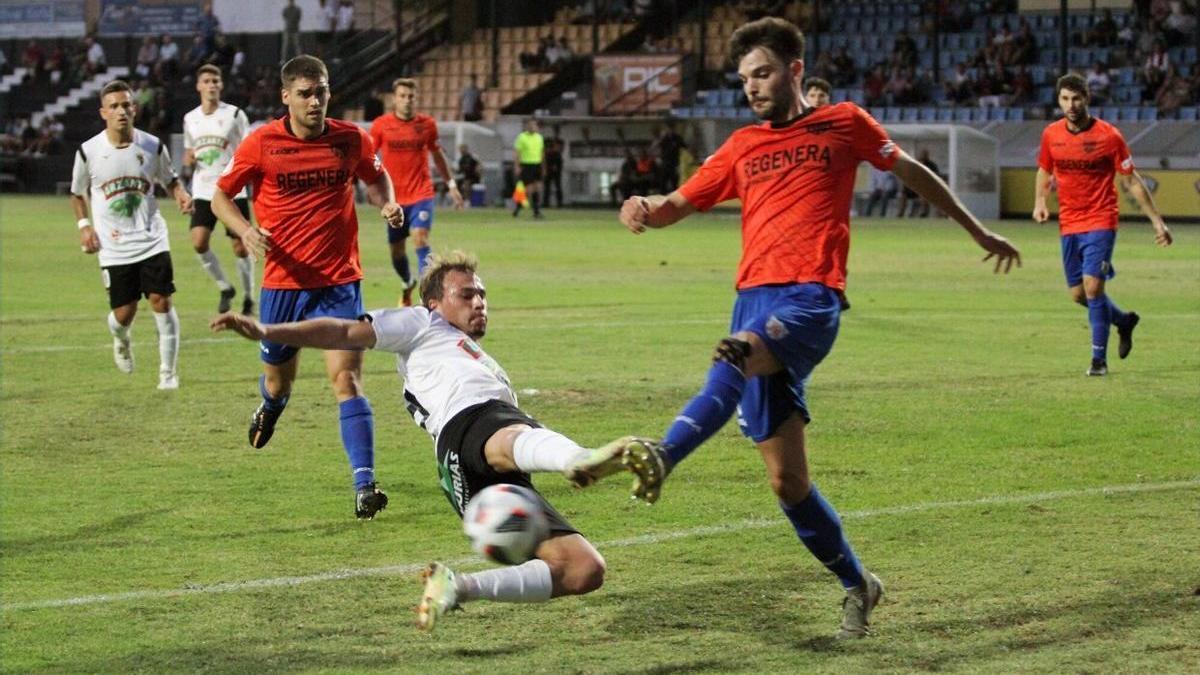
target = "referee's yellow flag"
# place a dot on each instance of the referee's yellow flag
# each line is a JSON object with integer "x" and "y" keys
{"x": 519, "y": 196}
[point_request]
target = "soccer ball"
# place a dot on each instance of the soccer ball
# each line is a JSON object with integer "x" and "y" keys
{"x": 505, "y": 523}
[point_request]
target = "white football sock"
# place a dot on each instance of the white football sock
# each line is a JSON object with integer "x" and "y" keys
{"x": 212, "y": 265}
{"x": 168, "y": 339}
{"x": 245, "y": 268}
{"x": 545, "y": 450}
{"x": 528, "y": 582}
{"x": 118, "y": 331}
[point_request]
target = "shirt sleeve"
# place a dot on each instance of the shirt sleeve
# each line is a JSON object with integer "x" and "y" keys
{"x": 377, "y": 135}
{"x": 81, "y": 178}
{"x": 165, "y": 172}
{"x": 1122, "y": 160}
{"x": 188, "y": 141}
{"x": 715, "y": 180}
{"x": 241, "y": 124}
{"x": 369, "y": 168}
{"x": 1045, "y": 161}
{"x": 432, "y": 144}
{"x": 871, "y": 142}
{"x": 243, "y": 169}
{"x": 396, "y": 330}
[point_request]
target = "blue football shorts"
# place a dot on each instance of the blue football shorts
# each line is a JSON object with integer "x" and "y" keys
{"x": 418, "y": 215}
{"x": 283, "y": 305}
{"x": 1088, "y": 253}
{"x": 798, "y": 323}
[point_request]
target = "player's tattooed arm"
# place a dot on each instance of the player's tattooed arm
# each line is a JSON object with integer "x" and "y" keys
{"x": 1136, "y": 186}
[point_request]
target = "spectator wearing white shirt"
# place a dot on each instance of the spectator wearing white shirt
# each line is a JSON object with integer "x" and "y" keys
{"x": 96, "y": 61}
{"x": 147, "y": 57}
{"x": 1098, "y": 84}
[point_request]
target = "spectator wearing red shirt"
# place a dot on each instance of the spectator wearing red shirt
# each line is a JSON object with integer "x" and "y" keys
{"x": 302, "y": 168}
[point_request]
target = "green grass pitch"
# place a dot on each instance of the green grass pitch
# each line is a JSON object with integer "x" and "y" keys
{"x": 1025, "y": 518}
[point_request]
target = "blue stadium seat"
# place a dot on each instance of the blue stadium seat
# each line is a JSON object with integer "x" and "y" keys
{"x": 1048, "y": 22}
{"x": 703, "y": 97}
{"x": 891, "y": 114}
{"x": 1127, "y": 76}
{"x": 746, "y": 114}
{"x": 1016, "y": 114}
{"x": 1038, "y": 73}
{"x": 1128, "y": 114}
{"x": 962, "y": 114}
{"x": 910, "y": 114}
{"x": 1045, "y": 95}
{"x": 838, "y": 95}
{"x": 945, "y": 114}
{"x": 1188, "y": 114}
{"x": 699, "y": 111}
{"x": 877, "y": 112}
{"x": 1147, "y": 114}
{"x": 683, "y": 113}
{"x": 857, "y": 96}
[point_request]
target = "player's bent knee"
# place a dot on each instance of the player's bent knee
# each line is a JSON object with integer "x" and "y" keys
{"x": 584, "y": 574}
{"x": 790, "y": 488}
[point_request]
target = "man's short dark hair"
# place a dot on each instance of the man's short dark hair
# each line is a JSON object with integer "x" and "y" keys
{"x": 308, "y": 67}
{"x": 781, "y": 37}
{"x": 1073, "y": 82}
{"x": 115, "y": 86}
{"x": 407, "y": 82}
{"x": 208, "y": 68}
{"x": 819, "y": 83}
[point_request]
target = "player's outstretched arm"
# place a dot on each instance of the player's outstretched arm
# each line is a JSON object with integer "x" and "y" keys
{"x": 917, "y": 177}
{"x": 1136, "y": 186}
{"x": 256, "y": 239}
{"x": 638, "y": 213}
{"x": 1041, "y": 188}
{"x": 322, "y": 333}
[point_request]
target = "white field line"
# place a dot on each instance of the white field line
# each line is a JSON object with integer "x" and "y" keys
{"x": 753, "y": 523}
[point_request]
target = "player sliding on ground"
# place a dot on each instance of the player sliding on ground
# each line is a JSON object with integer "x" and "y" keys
{"x": 1084, "y": 154}
{"x": 463, "y": 399}
{"x": 795, "y": 176}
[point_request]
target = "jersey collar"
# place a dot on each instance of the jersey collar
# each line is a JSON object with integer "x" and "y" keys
{"x": 783, "y": 125}
{"x": 287, "y": 124}
{"x": 1086, "y": 127}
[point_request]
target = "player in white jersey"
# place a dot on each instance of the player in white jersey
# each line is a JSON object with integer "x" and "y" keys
{"x": 463, "y": 398}
{"x": 211, "y": 132}
{"x": 116, "y": 171}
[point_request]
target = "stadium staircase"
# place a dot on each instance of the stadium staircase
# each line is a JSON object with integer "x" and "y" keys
{"x": 89, "y": 89}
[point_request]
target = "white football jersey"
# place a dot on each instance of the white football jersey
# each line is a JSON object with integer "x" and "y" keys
{"x": 444, "y": 370}
{"x": 119, "y": 184}
{"x": 212, "y": 140}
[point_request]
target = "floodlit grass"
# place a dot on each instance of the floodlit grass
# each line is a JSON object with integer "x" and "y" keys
{"x": 953, "y": 428}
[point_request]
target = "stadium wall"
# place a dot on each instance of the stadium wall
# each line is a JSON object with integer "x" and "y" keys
{"x": 1176, "y": 193}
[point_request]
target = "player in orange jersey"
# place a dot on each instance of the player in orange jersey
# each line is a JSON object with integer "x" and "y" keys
{"x": 302, "y": 168}
{"x": 405, "y": 140}
{"x": 795, "y": 176}
{"x": 1084, "y": 154}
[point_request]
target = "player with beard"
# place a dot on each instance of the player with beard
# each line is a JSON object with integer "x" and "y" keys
{"x": 464, "y": 400}
{"x": 1084, "y": 154}
{"x": 302, "y": 168}
{"x": 794, "y": 174}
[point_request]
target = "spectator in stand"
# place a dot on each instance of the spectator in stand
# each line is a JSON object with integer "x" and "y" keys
{"x": 1155, "y": 71}
{"x": 197, "y": 55}
{"x": 623, "y": 187}
{"x": 668, "y": 144}
{"x": 959, "y": 87}
{"x": 845, "y": 69}
{"x": 990, "y": 87}
{"x": 222, "y": 56}
{"x": 1174, "y": 93}
{"x": 565, "y": 55}
{"x": 884, "y": 187}
{"x": 1025, "y": 44}
{"x": 96, "y": 61}
{"x": 900, "y": 86}
{"x": 33, "y": 59}
{"x": 327, "y": 18}
{"x": 56, "y": 65}
{"x": 1098, "y": 84}
{"x": 470, "y": 101}
{"x": 147, "y": 57}
{"x": 824, "y": 67}
{"x": 290, "y": 46}
{"x": 1179, "y": 25}
{"x": 1022, "y": 87}
{"x": 237, "y": 69}
{"x": 874, "y": 85}
{"x": 647, "y": 174}
{"x": 208, "y": 26}
{"x": 1148, "y": 35}
{"x": 904, "y": 50}
{"x": 470, "y": 171}
{"x": 1103, "y": 32}
{"x": 168, "y": 57}
{"x": 345, "y": 20}
{"x": 552, "y": 54}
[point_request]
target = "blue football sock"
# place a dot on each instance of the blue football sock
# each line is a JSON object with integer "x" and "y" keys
{"x": 272, "y": 404}
{"x": 820, "y": 529}
{"x": 1118, "y": 317}
{"x": 705, "y": 414}
{"x": 358, "y": 437}
{"x": 401, "y": 267}
{"x": 422, "y": 255}
{"x": 1098, "y": 317}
